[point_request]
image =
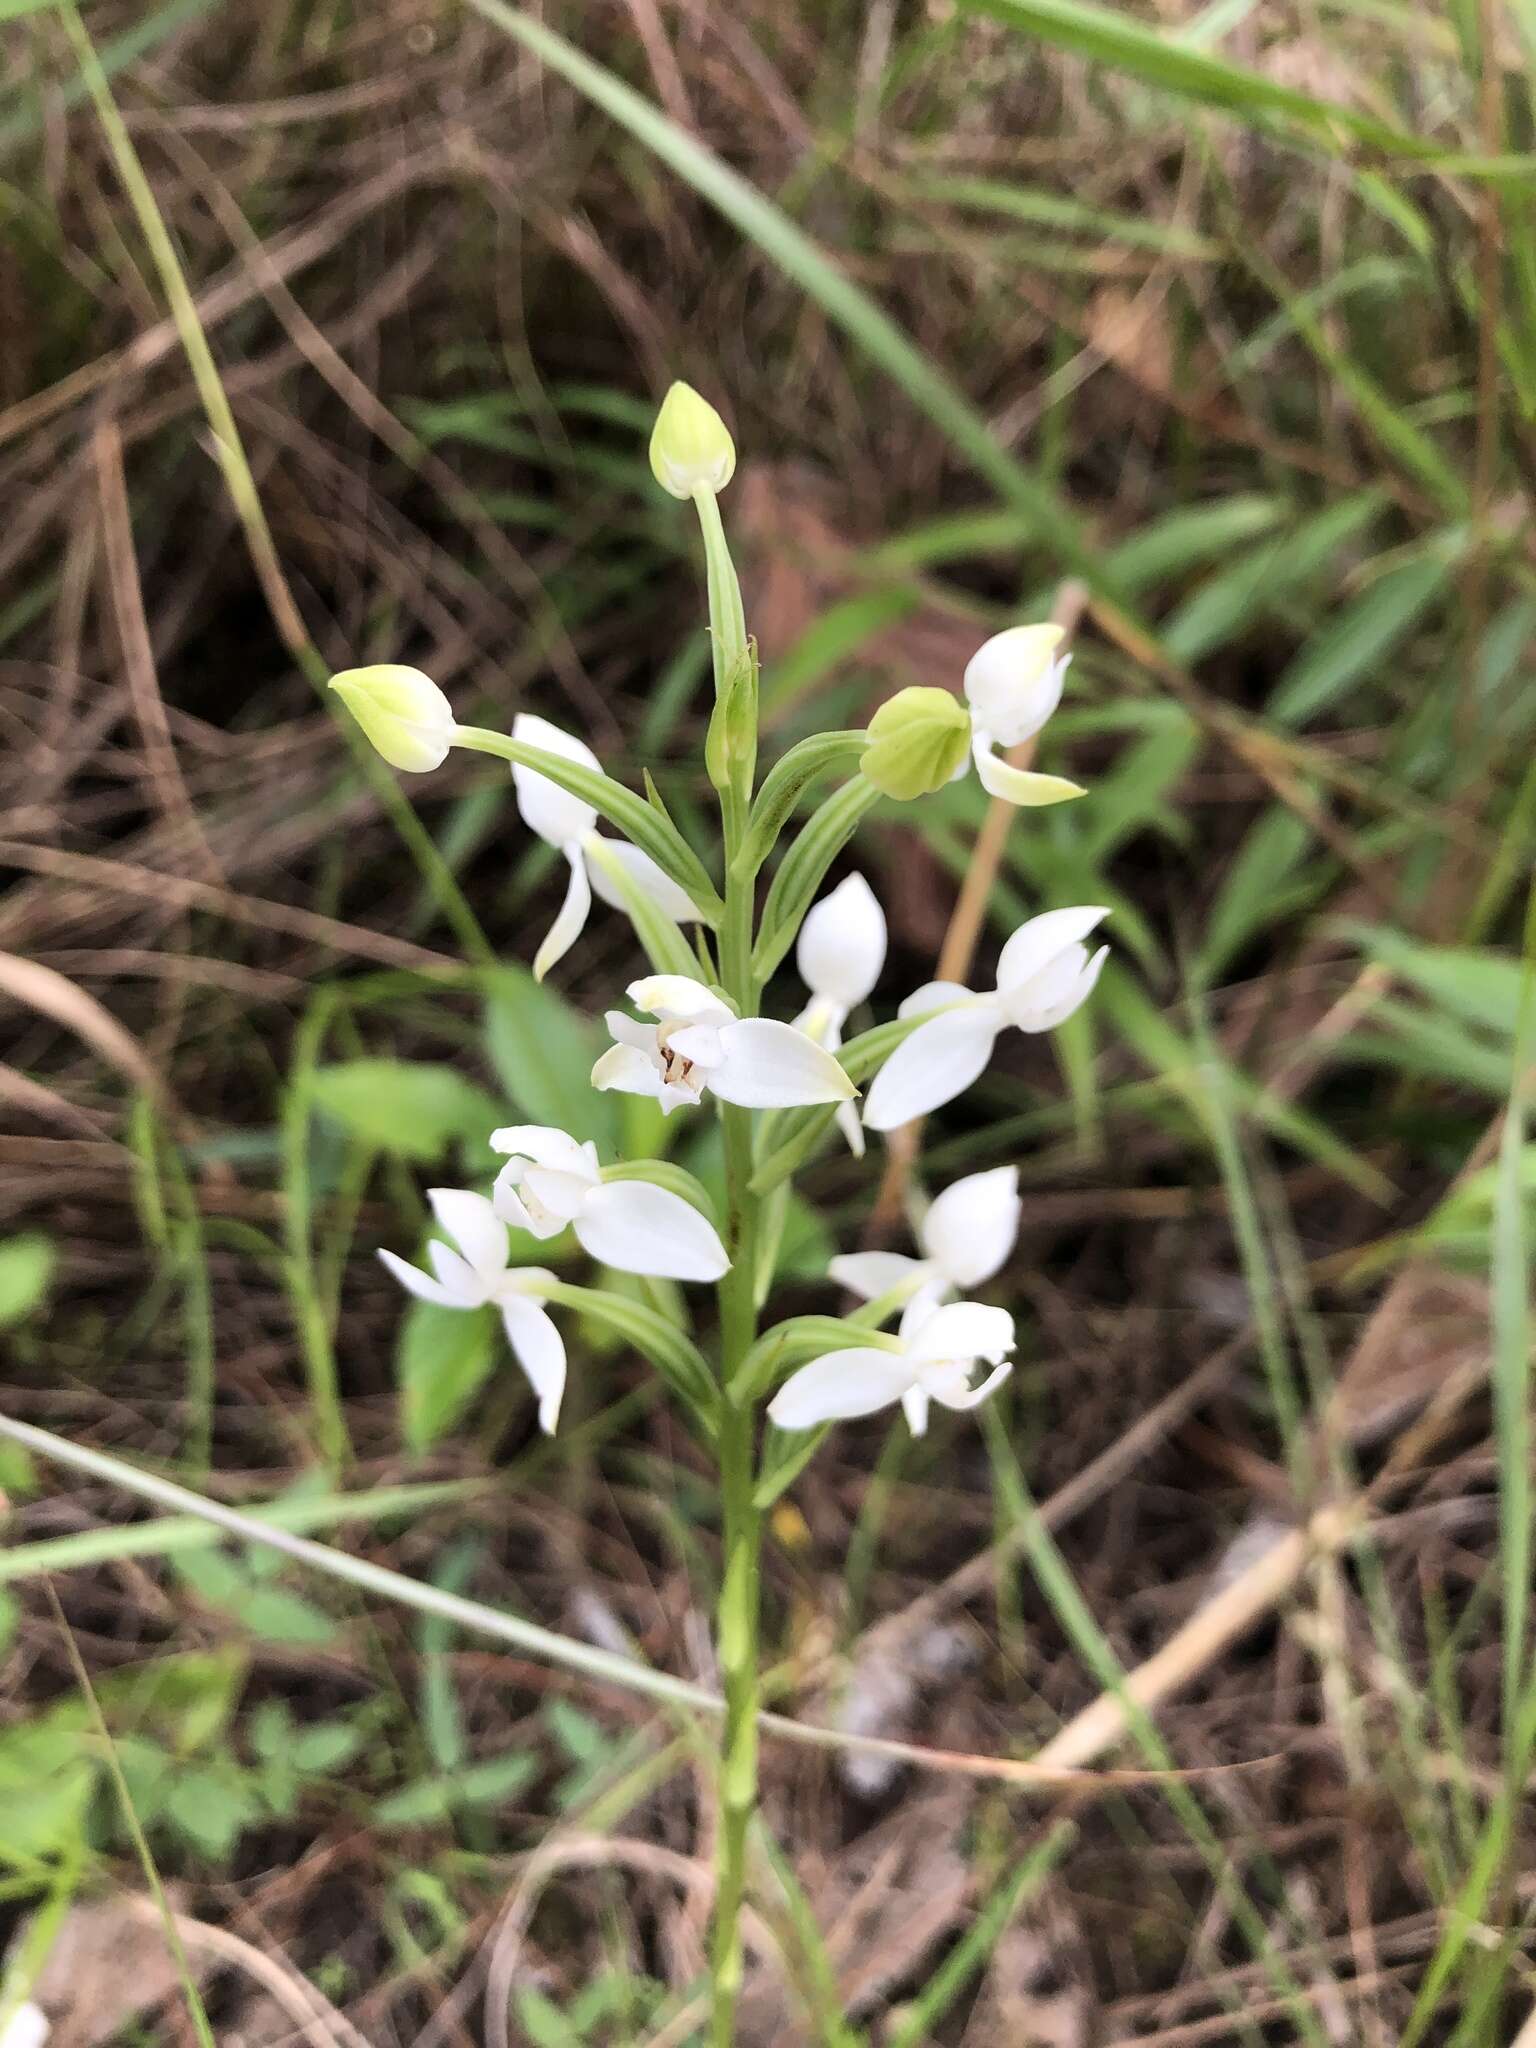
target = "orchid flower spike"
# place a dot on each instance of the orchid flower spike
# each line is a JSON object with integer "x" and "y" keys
{"x": 1013, "y": 683}
{"x": 966, "y": 1235}
{"x": 940, "y": 1349}
{"x": 565, "y": 822}
{"x": 699, "y": 1042}
{"x": 840, "y": 953}
{"x": 550, "y": 1181}
{"x": 477, "y": 1273}
{"x": 1043, "y": 975}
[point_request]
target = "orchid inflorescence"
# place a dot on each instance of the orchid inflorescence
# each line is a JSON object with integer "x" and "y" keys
{"x": 693, "y": 1032}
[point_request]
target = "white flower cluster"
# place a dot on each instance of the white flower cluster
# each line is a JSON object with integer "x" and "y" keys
{"x": 692, "y": 1042}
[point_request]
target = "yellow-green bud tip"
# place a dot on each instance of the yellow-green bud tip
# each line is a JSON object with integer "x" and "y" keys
{"x": 691, "y": 446}
{"x": 402, "y": 712}
{"x": 918, "y": 740}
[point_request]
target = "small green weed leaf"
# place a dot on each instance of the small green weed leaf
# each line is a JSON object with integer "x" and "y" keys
{"x": 443, "y": 1357}
{"x": 543, "y": 1051}
{"x": 26, "y": 1270}
{"x": 325, "y": 1746}
{"x": 412, "y": 1108}
{"x": 278, "y": 1616}
{"x": 211, "y": 1810}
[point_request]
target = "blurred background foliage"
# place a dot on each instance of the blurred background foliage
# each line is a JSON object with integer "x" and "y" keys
{"x": 332, "y": 334}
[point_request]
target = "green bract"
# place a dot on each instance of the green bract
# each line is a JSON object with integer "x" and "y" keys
{"x": 918, "y": 741}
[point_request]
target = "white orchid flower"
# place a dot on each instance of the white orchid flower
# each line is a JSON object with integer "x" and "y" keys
{"x": 550, "y": 1181}
{"x": 840, "y": 952}
{"x": 477, "y": 1274}
{"x": 1013, "y": 683}
{"x": 699, "y": 1042}
{"x": 565, "y": 822}
{"x": 966, "y": 1235}
{"x": 1043, "y": 975}
{"x": 940, "y": 1349}
{"x": 28, "y": 2027}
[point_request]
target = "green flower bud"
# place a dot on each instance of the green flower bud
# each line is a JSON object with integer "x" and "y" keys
{"x": 691, "y": 446}
{"x": 918, "y": 740}
{"x": 403, "y": 712}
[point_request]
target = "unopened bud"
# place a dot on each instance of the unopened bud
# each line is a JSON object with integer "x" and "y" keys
{"x": 918, "y": 740}
{"x": 691, "y": 446}
{"x": 405, "y": 715}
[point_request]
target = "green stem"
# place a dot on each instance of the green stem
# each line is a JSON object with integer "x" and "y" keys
{"x": 741, "y": 1526}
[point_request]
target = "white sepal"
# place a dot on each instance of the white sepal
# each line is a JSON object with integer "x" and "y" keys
{"x": 679, "y": 998}
{"x": 546, "y": 808}
{"x": 1052, "y": 996}
{"x": 1013, "y": 681}
{"x": 838, "y": 1386}
{"x": 1038, "y": 941}
{"x": 1025, "y": 787}
{"x": 970, "y": 1229}
{"x": 871, "y": 1274}
{"x": 540, "y": 1350}
{"x": 841, "y": 948}
{"x": 939, "y": 1061}
{"x": 570, "y": 919}
{"x": 644, "y": 876}
{"x": 640, "y": 1228}
{"x": 766, "y": 1065}
{"x": 475, "y": 1228}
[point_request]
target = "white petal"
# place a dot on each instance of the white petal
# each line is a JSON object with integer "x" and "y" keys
{"x": 697, "y": 1042}
{"x": 914, "y": 1405}
{"x": 569, "y": 919}
{"x": 545, "y": 1145}
{"x": 974, "y": 1396}
{"x": 507, "y": 1201}
{"x": 1049, "y": 1000}
{"x": 962, "y": 1329}
{"x": 475, "y": 1228}
{"x": 938, "y": 1062}
{"x": 546, "y": 808}
{"x": 841, "y": 948}
{"x": 644, "y": 876}
{"x": 971, "y": 1227}
{"x": 628, "y": 1069}
{"x": 677, "y": 995}
{"x": 847, "y": 1121}
{"x": 1035, "y": 944}
{"x": 871, "y": 1274}
{"x": 639, "y": 1228}
{"x": 422, "y": 1285}
{"x": 766, "y": 1065}
{"x": 540, "y": 1351}
{"x": 844, "y": 1383}
{"x": 549, "y": 1192}
{"x": 1013, "y": 681}
{"x": 933, "y": 995}
{"x": 1025, "y": 787}
{"x": 468, "y": 1288}
{"x": 630, "y": 1031}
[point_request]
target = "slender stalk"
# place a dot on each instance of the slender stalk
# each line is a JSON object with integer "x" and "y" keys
{"x": 741, "y": 1527}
